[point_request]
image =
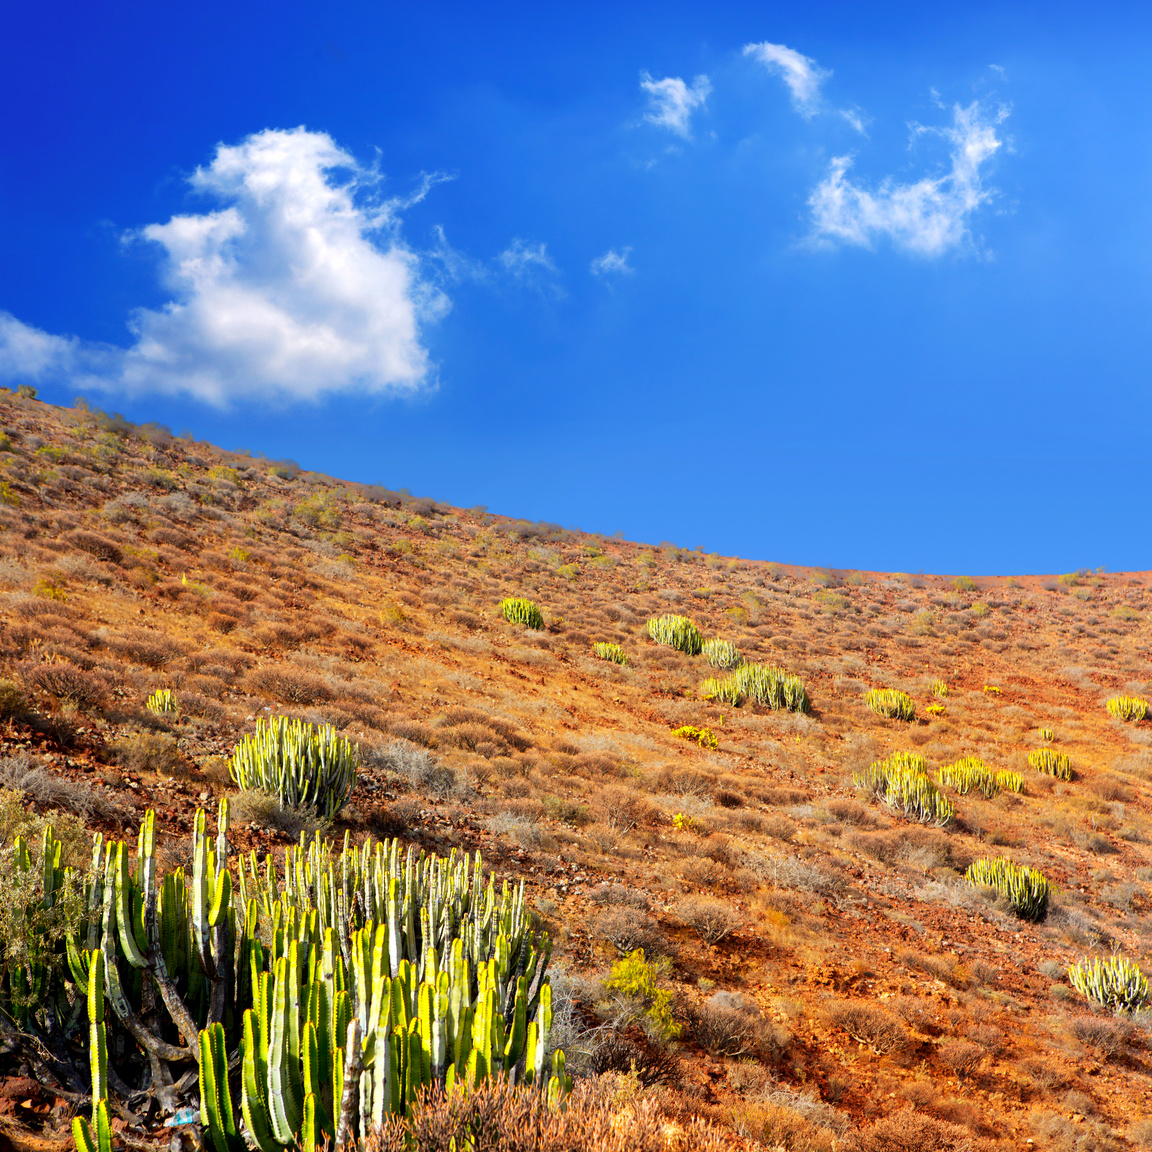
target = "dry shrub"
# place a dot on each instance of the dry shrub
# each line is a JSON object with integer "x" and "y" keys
{"x": 1109, "y": 1037}
{"x": 152, "y": 649}
{"x": 20, "y": 774}
{"x": 703, "y": 872}
{"x": 711, "y": 919}
{"x": 290, "y": 686}
{"x": 627, "y": 929}
{"x": 147, "y": 752}
{"x": 613, "y": 1051}
{"x": 35, "y": 608}
{"x": 66, "y": 683}
{"x": 264, "y": 811}
{"x": 988, "y": 1036}
{"x": 173, "y": 538}
{"x": 961, "y": 1057}
{"x": 728, "y": 1025}
{"x": 1048, "y": 1075}
{"x": 615, "y": 894}
{"x": 96, "y": 545}
{"x": 422, "y": 770}
{"x": 908, "y": 1131}
{"x": 776, "y": 1124}
{"x": 870, "y": 1025}
{"x": 624, "y": 808}
{"x": 13, "y": 702}
{"x": 849, "y": 812}
{"x": 414, "y": 731}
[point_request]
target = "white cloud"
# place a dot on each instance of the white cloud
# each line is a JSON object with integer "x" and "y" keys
{"x": 291, "y": 290}
{"x": 613, "y": 262}
{"x": 523, "y": 259}
{"x": 801, "y": 73}
{"x": 927, "y": 217}
{"x": 672, "y": 102}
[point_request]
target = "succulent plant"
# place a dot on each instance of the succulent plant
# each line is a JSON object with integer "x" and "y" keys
{"x": 677, "y": 632}
{"x": 1026, "y": 889}
{"x": 519, "y": 611}
{"x": 890, "y": 703}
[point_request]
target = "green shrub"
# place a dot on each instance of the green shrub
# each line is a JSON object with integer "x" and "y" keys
{"x": 1026, "y": 889}
{"x": 519, "y": 611}
{"x": 722, "y": 654}
{"x": 1051, "y": 763}
{"x": 901, "y": 781}
{"x": 302, "y": 765}
{"x": 703, "y": 736}
{"x": 763, "y": 684}
{"x": 1127, "y": 708}
{"x": 635, "y": 978}
{"x": 890, "y": 703}
{"x": 612, "y": 652}
{"x": 1115, "y": 983}
{"x": 964, "y": 584}
{"x": 677, "y": 632}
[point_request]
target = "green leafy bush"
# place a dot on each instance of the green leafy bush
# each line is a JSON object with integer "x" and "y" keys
{"x": 611, "y": 652}
{"x": 1127, "y": 708}
{"x": 677, "y": 632}
{"x": 890, "y": 703}
{"x": 1051, "y": 763}
{"x": 519, "y": 611}
{"x": 703, "y": 736}
{"x": 901, "y": 781}
{"x": 1026, "y": 889}
{"x": 301, "y": 764}
{"x": 635, "y": 978}
{"x": 1116, "y": 982}
{"x": 722, "y": 653}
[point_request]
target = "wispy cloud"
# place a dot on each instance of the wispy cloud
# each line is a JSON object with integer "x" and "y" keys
{"x": 801, "y": 73}
{"x": 927, "y": 217}
{"x": 293, "y": 289}
{"x": 613, "y": 263}
{"x": 671, "y": 102}
{"x": 522, "y": 259}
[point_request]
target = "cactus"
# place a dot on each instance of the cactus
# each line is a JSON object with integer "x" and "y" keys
{"x": 1051, "y": 763}
{"x": 162, "y": 702}
{"x": 939, "y": 688}
{"x": 703, "y": 736}
{"x": 1026, "y": 889}
{"x": 901, "y": 781}
{"x": 1046, "y": 734}
{"x": 301, "y": 764}
{"x": 1116, "y": 983}
{"x": 722, "y": 654}
{"x": 518, "y": 611}
{"x": 612, "y": 652}
{"x": 890, "y": 703}
{"x": 764, "y": 684}
{"x": 1127, "y": 708}
{"x": 971, "y": 773}
{"x": 677, "y": 632}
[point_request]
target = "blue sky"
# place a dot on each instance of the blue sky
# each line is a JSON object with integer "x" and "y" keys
{"x": 857, "y": 286}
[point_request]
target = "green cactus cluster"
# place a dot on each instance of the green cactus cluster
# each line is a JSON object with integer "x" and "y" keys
{"x": 705, "y": 737}
{"x": 890, "y": 703}
{"x": 1046, "y": 734}
{"x": 902, "y": 782}
{"x": 970, "y": 773}
{"x": 1116, "y": 982}
{"x": 939, "y": 688}
{"x": 519, "y": 611}
{"x": 722, "y": 654}
{"x": 303, "y": 765}
{"x": 1051, "y": 763}
{"x": 611, "y": 652}
{"x": 162, "y": 702}
{"x": 1127, "y": 708}
{"x": 677, "y": 632}
{"x": 764, "y": 684}
{"x": 1026, "y": 889}
{"x": 344, "y": 983}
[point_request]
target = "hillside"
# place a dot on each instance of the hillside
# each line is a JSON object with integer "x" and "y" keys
{"x": 852, "y": 974}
